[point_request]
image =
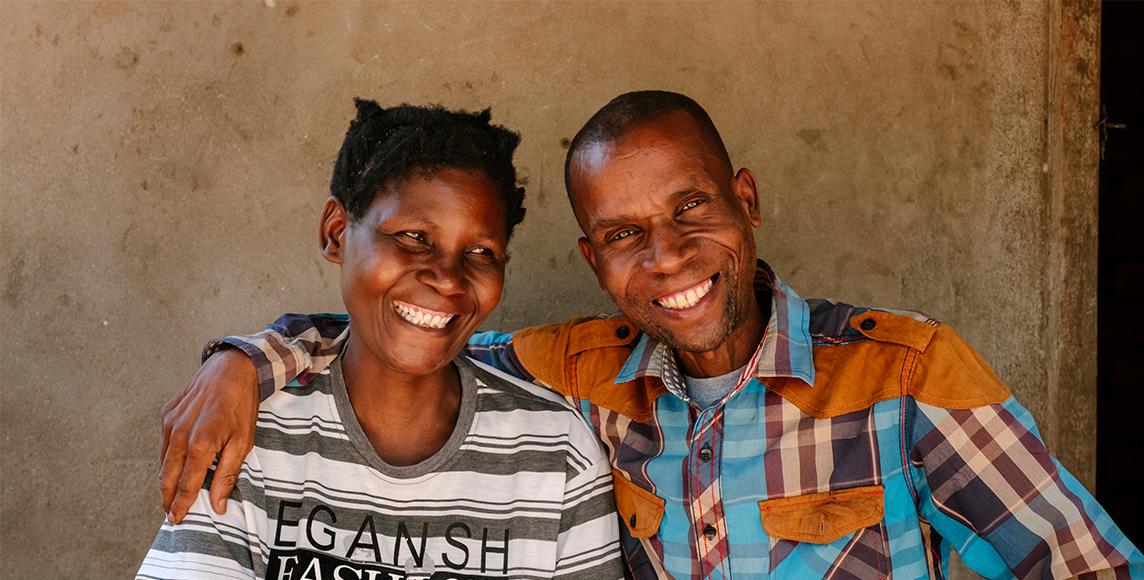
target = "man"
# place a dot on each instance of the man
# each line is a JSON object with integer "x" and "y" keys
{"x": 752, "y": 433}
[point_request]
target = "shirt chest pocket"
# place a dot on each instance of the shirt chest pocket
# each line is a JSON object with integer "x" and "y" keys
{"x": 837, "y": 531}
{"x": 640, "y": 509}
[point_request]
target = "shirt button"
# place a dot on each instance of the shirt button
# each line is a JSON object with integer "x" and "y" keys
{"x": 709, "y": 532}
{"x": 705, "y": 453}
{"x": 623, "y": 331}
{"x": 868, "y": 324}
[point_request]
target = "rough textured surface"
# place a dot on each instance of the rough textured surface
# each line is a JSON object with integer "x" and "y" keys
{"x": 164, "y": 165}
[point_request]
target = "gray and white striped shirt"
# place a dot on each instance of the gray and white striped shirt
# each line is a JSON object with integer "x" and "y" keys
{"x": 521, "y": 489}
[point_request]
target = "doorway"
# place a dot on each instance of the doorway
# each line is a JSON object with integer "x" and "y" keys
{"x": 1120, "y": 294}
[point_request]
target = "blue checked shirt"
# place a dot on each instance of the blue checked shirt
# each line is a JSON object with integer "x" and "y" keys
{"x": 858, "y": 443}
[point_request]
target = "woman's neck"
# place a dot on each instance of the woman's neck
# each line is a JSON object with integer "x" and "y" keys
{"x": 407, "y": 418}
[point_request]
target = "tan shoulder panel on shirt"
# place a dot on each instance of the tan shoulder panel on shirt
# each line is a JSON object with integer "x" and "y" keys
{"x": 904, "y": 356}
{"x": 951, "y": 374}
{"x": 847, "y": 378}
{"x": 581, "y": 358}
{"x": 542, "y": 350}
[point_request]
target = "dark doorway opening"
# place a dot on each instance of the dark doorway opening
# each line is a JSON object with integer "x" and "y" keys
{"x": 1120, "y": 298}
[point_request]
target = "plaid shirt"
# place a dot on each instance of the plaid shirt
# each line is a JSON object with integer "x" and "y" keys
{"x": 858, "y": 443}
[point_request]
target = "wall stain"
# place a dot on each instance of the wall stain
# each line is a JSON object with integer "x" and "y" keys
{"x": 238, "y": 49}
{"x": 41, "y": 34}
{"x": 16, "y": 279}
{"x": 126, "y": 59}
{"x": 813, "y": 139}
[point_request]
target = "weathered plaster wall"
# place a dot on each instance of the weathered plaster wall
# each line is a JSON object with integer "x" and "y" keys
{"x": 163, "y": 166}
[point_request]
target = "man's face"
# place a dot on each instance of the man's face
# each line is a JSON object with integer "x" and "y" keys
{"x": 668, "y": 231}
{"x": 422, "y": 269}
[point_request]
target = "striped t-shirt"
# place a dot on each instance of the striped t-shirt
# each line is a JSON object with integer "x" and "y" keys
{"x": 521, "y": 489}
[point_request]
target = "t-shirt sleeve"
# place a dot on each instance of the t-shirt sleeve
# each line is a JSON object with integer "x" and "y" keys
{"x": 293, "y": 347}
{"x": 588, "y": 544}
{"x": 204, "y": 544}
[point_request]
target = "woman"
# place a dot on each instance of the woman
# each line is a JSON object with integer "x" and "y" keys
{"x": 406, "y": 460}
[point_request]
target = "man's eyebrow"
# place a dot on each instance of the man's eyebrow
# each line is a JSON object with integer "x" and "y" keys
{"x": 608, "y": 223}
{"x": 674, "y": 198}
{"x": 682, "y": 193}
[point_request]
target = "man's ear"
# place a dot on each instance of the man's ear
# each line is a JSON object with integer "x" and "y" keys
{"x": 332, "y": 233}
{"x": 746, "y": 189}
{"x": 588, "y": 254}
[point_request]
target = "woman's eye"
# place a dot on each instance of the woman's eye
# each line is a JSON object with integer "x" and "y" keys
{"x": 484, "y": 255}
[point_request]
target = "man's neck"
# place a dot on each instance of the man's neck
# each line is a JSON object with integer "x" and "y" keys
{"x": 735, "y": 351}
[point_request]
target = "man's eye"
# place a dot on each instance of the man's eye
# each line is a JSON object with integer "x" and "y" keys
{"x": 621, "y": 235}
{"x": 414, "y": 236}
{"x": 691, "y": 204}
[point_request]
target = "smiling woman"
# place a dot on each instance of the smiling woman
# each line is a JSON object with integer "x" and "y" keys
{"x": 408, "y": 458}
{"x": 420, "y": 271}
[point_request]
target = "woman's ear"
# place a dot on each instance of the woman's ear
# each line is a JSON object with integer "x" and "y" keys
{"x": 333, "y": 230}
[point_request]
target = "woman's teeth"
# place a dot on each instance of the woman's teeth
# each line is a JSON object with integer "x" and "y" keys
{"x": 423, "y": 318}
{"x": 687, "y": 298}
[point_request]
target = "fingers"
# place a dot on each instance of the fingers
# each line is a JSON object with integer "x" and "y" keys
{"x": 198, "y": 460}
{"x": 171, "y": 470}
{"x": 226, "y": 473}
{"x": 173, "y": 447}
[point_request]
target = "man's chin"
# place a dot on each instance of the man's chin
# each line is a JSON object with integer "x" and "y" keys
{"x": 704, "y": 339}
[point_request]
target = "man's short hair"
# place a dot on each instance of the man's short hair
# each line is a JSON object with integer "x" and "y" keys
{"x": 385, "y": 146}
{"x": 630, "y": 110}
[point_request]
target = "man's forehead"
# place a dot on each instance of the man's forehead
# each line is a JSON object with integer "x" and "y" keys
{"x": 640, "y": 150}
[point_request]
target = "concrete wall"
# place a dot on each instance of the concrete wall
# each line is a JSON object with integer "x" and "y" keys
{"x": 164, "y": 163}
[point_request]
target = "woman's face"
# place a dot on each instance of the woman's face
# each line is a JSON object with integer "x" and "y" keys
{"x": 422, "y": 269}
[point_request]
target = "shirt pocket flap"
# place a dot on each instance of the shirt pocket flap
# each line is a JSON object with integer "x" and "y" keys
{"x": 640, "y": 509}
{"x": 821, "y": 518}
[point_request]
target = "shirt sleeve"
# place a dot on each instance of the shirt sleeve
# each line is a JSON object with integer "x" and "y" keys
{"x": 298, "y": 347}
{"x": 587, "y": 547}
{"x": 204, "y": 545}
{"x": 987, "y": 486}
{"x": 293, "y": 347}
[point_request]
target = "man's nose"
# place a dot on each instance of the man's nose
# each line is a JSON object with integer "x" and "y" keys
{"x": 667, "y": 250}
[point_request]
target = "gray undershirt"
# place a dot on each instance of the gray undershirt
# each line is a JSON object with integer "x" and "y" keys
{"x": 707, "y": 391}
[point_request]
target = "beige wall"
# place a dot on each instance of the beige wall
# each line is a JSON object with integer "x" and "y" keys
{"x": 164, "y": 163}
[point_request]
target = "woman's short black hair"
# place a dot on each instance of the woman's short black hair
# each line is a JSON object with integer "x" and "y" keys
{"x": 384, "y": 146}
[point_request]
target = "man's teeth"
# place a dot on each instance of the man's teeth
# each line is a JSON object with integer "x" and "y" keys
{"x": 687, "y": 298}
{"x": 422, "y": 318}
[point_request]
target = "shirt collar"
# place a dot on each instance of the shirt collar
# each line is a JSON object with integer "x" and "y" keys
{"x": 785, "y": 350}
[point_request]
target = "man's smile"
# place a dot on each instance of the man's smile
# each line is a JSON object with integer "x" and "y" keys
{"x": 422, "y": 317}
{"x": 687, "y": 298}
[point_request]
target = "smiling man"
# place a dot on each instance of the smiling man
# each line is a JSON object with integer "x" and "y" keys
{"x": 751, "y": 433}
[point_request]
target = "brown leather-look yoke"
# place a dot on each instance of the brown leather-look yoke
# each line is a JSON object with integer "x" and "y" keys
{"x": 902, "y": 357}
